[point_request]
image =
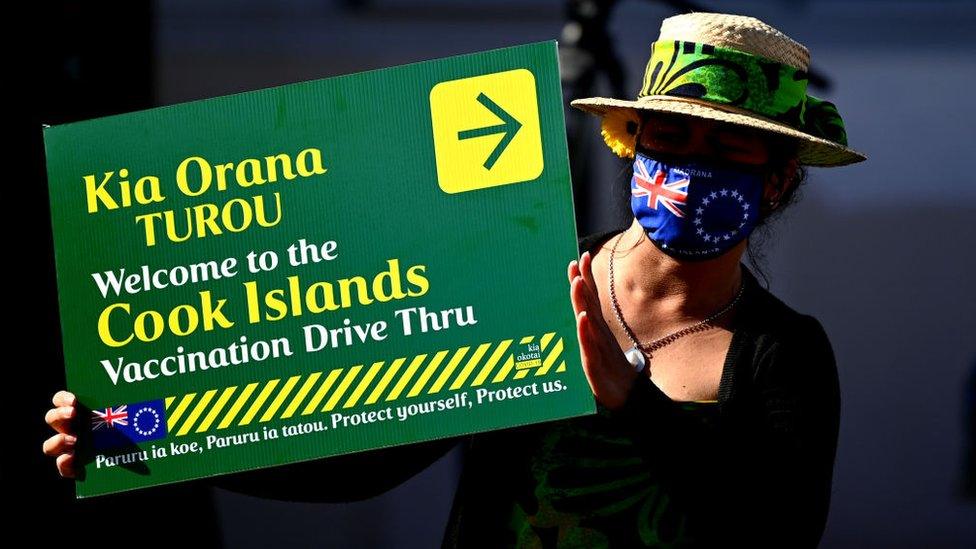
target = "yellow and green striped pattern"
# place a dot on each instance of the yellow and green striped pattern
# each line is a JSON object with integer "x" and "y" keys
{"x": 360, "y": 385}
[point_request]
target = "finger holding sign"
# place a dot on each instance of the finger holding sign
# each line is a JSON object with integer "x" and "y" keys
{"x": 61, "y": 445}
{"x": 66, "y": 465}
{"x": 607, "y": 370}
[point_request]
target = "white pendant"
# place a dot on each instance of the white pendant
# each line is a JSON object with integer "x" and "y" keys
{"x": 636, "y": 357}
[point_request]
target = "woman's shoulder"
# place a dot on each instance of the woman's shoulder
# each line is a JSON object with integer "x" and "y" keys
{"x": 784, "y": 336}
{"x": 768, "y": 315}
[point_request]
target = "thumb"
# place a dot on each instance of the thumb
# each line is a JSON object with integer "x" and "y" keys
{"x": 587, "y": 350}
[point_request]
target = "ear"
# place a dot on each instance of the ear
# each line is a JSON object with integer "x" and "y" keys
{"x": 778, "y": 184}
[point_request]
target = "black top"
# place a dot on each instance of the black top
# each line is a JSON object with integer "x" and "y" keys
{"x": 754, "y": 468}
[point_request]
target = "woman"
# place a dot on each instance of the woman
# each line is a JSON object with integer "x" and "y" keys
{"x": 718, "y": 404}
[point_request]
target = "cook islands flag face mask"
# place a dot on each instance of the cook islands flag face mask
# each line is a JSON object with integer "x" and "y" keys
{"x": 695, "y": 210}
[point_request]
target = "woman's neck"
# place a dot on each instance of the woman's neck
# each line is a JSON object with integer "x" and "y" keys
{"x": 669, "y": 290}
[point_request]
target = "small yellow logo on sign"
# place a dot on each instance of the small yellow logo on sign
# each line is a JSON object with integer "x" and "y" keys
{"x": 486, "y": 131}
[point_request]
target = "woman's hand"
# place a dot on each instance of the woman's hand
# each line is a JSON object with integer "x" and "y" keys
{"x": 62, "y": 444}
{"x": 610, "y": 374}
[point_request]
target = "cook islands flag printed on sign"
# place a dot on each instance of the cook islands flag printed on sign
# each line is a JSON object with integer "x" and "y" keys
{"x": 127, "y": 424}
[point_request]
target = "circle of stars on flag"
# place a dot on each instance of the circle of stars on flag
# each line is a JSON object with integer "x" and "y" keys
{"x": 135, "y": 421}
{"x": 717, "y": 237}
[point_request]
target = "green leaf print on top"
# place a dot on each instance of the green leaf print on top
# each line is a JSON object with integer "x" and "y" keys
{"x": 740, "y": 79}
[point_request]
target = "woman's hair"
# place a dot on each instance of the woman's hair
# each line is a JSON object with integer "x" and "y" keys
{"x": 781, "y": 151}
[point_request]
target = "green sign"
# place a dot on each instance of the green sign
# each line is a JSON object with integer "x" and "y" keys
{"x": 317, "y": 269}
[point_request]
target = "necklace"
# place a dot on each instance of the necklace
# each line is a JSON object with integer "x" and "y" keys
{"x": 640, "y": 354}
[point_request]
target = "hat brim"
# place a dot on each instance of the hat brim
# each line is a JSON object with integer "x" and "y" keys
{"x": 813, "y": 151}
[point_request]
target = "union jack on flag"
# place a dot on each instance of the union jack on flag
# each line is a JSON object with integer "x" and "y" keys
{"x": 110, "y": 417}
{"x": 671, "y": 195}
{"x": 128, "y": 424}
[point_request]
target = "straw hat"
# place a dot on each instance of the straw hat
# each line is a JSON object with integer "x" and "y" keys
{"x": 730, "y": 68}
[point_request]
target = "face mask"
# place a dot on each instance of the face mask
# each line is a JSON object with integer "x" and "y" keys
{"x": 695, "y": 209}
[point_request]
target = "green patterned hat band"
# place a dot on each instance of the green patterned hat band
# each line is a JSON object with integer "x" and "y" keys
{"x": 757, "y": 84}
